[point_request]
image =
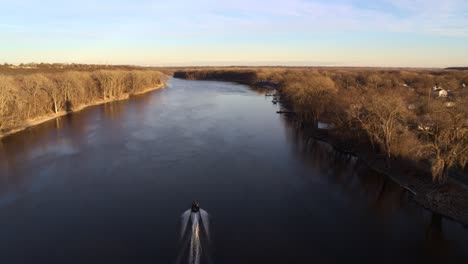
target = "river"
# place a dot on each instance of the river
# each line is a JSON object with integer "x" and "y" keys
{"x": 109, "y": 184}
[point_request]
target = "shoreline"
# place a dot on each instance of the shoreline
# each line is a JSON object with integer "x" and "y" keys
{"x": 42, "y": 119}
{"x": 448, "y": 199}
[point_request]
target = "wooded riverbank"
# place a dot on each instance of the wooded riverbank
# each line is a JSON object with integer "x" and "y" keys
{"x": 27, "y": 99}
{"x": 397, "y": 121}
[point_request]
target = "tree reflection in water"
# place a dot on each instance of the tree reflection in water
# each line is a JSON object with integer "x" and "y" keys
{"x": 358, "y": 182}
{"x": 346, "y": 171}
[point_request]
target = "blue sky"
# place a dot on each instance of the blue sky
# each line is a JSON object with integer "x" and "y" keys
{"x": 421, "y": 33}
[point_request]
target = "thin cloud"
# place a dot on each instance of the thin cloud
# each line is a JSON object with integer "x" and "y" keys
{"x": 439, "y": 18}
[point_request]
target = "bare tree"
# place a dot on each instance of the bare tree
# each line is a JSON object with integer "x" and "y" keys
{"x": 374, "y": 80}
{"x": 6, "y": 100}
{"x": 33, "y": 85}
{"x": 383, "y": 116}
{"x": 447, "y": 140}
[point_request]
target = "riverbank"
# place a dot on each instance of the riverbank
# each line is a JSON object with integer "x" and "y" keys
{"x": 448, "y": 199}
{"x": 39, "y": 120}
{"x": 27, "y": 99}
{"x": 310, "y": 99}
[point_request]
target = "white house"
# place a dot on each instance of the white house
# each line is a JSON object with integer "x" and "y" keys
{"x": 443, "y": 93}
{"x": 424, "y": 127}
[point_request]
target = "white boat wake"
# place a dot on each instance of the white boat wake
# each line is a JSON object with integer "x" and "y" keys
{"x": 195, "y": 236}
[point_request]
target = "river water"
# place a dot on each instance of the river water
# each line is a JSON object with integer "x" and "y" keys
{"x": 109, "y": 184}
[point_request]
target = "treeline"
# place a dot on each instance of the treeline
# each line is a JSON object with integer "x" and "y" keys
{"x": 239, "y": 76}
{"x": 417, "y": 115}
{"x": 28, "y": 96}
{"x": 29, "y": 68}
{"x": 458, "y": 68}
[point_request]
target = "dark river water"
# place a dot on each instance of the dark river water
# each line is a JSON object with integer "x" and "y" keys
{"x": 109, "y": 184}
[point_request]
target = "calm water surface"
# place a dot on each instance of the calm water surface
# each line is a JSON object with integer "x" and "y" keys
{"x": 108, "y": 185}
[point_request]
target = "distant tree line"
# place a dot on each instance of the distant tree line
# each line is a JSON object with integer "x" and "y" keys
{"x": 28, "y": 68}
{"x": 239, "y": 76}
{"x": 458, "y": 68}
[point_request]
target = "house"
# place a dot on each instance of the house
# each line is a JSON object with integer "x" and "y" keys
{"x": 423, "y": 127}
{"x": 449, "y": 104}
{"x": 443, "y": 93}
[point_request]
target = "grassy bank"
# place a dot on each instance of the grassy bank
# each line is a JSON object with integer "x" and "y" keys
{"x": 31, "y": 97}
{"x": 410, "y": 124}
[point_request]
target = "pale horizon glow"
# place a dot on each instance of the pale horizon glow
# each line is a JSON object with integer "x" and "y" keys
{"x": 385, "y": 33}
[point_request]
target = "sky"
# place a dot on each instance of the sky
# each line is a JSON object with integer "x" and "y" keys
{"x": 395, "y": 33}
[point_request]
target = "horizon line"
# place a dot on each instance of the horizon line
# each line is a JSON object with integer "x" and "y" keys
{"x": 176, "y": 65}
